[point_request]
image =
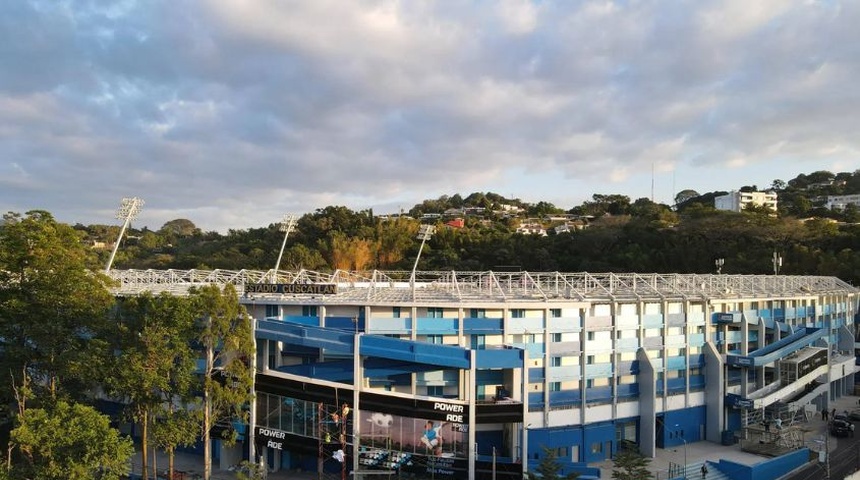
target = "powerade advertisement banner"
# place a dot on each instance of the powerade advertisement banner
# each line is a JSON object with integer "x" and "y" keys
{"x": 424, "y": 447}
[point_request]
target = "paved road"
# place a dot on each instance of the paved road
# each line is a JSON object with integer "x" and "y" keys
{"x": 844, "y": 460}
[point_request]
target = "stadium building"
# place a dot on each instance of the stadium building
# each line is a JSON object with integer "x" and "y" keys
{"x": 476, "y": 374}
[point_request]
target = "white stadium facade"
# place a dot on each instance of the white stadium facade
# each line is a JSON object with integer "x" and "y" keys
{"x": 477, "y": 374}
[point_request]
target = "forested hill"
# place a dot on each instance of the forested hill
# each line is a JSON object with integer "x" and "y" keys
{"x": 609, "y": 233}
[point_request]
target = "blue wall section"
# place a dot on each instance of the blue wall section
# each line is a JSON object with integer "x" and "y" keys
{"x": 597, "y": 435}
{"x": 767, "y": 470}
{"x": 688, "y": 423}
{"x": 488, "y": 439}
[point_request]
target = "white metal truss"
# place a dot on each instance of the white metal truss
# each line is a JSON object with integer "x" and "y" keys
{"x": 396, "y": 287}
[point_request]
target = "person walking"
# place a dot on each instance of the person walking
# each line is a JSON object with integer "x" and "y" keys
{"x": 704, "y": 471}
{"x": 824, "y": 414}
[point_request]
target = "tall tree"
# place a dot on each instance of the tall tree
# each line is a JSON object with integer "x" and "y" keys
{"x": 227, "y": 341}
{"x": 68, "y": 442}
{"x": 52, "y": 304}
{"x": 155, "y": 364}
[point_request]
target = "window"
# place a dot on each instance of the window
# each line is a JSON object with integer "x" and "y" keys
{"x": 437, "y": 339}
{"x": 518, "y": 313}
{"x": 479, "y": 342}
{"x": 555, "y": 386}
{"x": 556, "y": 361}
{"x": 596, "y": 447}
{"x": 434, "y": 312}
{"x": 478, "y": 313}
{"x": 561, "y": 452}
{"x": 555, "y": 312}
{"x": 589, "y": 360}
{"x": 309, "y": 311}
{"x": 590, "y": 336}
{"x": 435, "y": 391}
{"x": 395, "y": 312}
{"x": 272, "y": 311}
{"x": 556, "y": 337}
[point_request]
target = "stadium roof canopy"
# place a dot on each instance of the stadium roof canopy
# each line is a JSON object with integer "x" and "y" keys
{"x": 400, "y": 287}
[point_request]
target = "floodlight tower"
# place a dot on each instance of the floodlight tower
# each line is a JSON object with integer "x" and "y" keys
{"x": 287, "y": 225}
{"x": 128, "y": 211}
{"x": 424, "y": 234}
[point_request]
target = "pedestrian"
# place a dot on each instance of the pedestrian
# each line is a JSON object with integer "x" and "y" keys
{"x": 704, "y": 471}
{"x": 824, "y": 414}
{"x": 833, "y": 414}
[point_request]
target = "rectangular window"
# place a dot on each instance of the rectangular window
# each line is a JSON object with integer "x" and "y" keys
{"x": 435, "y": 391}
{"x": 309, "y": 311}
{"x": 518, "y": 313}
{"x": 555, "y": 312}
{"x": 434, "y": 312}
{"x": 479, "y": 342}
{"x": 395, "y": 312}
{"x": 561, "y": 452}
{"x": 477, "y": 313}
{"x": 556, "y": 361}
{"x": 596, "y": 447}
{"x": 556, "y": 337}
{"x": 437, "y": 339}
{"x": 555, "y": 386}
{"x": 589, "y": 360}
{"x": 272, "y": 311}
{"x": 589, "y": 336}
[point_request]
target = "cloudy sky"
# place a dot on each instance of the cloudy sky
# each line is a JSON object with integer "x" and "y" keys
{"x": 232, "y": 113}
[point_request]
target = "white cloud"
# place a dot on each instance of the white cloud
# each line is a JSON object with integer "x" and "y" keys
{"x": 232, "y": 112}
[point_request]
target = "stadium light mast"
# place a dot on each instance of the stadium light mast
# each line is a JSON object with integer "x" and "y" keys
{"x": 128, "y": 211}
{"x": 287, "y": 225}
{"x": 424, "y": 234}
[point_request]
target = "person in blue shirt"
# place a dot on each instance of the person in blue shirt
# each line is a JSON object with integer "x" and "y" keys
{"x": 432, "y": 437}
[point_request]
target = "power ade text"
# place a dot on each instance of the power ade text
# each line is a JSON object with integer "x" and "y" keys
{"x": 272, "y": 437}
{"x": 455, "y": 417}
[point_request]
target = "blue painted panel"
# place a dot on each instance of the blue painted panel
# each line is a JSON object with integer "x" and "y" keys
{"x": 697, "y": 360}
{"x": 676, "y": 363}
{"x": 772, "y": 468}
{"x": 765, "y": 313}
{"x": 599, "y": 433}
{"x": 487, "y": 377}
{"x": 652, "y": 321}
{"x": 676, "y": 385}
{"x": 598, "y": 370}
{"x": 313, "y": 321}
{"x": 626, "y": 390}
{"x": 563, "y": 324}
{"x": 566, "y": 373}
{"x": 390, "y": 325}
{"x": 697, "y": 382}
{"x": 486, "y": 326}
{"x": 565, "y": 397}
{"x": 779, "y": 314}
{"x": 536, "y": 374}
{"x": 345, "y": 323}
{"x": 420, "y": 352}
{"x": 681, "y": 425}
{"x": 522, "y": 325}
{"x": 437, "y": 326}
{"x": 536, "y": 350}
{"x": 499, "y": 358}
{"x": 598, "y": 394}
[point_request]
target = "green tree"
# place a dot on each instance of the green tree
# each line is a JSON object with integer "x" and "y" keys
{"x": 630, "y": 465}
{"x": 175, "y": 428}
{"x": 52, "y": 304}
{"x": 550, "y": 469}
{"x": 227, "y": 340}
{"x": 155, "y": 363}
{"x": 68, "y": 442}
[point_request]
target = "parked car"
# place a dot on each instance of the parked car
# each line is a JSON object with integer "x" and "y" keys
{"x": 840, "y": 427}
{"x": 854, "y": 415}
